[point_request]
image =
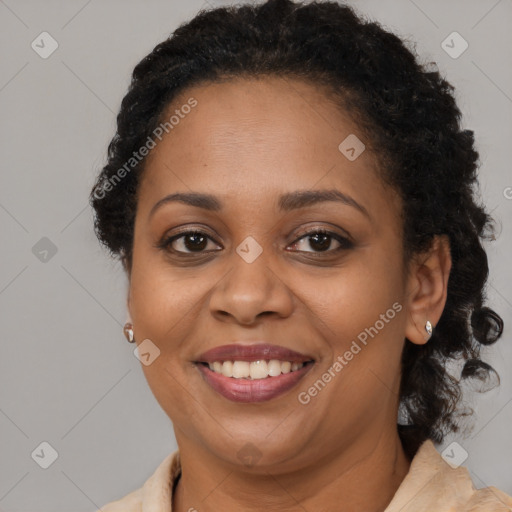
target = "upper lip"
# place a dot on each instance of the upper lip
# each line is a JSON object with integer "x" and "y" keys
{"x": 253, "y": 352}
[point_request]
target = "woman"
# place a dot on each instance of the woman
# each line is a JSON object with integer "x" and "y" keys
{"x": 291, "y": 196}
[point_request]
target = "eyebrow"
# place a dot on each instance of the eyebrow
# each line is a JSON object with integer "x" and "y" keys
{"x": 287, "y": 202}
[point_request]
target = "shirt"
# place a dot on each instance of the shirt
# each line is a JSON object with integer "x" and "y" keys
{"x": 431, "y": 485}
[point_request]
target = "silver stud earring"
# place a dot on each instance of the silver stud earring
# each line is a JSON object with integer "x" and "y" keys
{"x": 128, "y": 332}
{"x": 428, "y": 328}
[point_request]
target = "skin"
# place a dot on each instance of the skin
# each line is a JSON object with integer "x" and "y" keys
{"x": 247, "y": 142}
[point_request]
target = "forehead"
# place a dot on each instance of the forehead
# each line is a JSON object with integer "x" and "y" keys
{"x": 254, "y": 138}
{"x": 250, "y": 114}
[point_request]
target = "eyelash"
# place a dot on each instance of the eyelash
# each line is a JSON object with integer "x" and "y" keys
{"x": 344, "y": 242}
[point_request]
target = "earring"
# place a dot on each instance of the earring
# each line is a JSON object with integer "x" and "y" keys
{"x": 428, "y": 328}
{"x": 128, "y": 332}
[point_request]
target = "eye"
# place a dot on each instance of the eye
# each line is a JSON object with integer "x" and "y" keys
{"x": 320, "y": 240}
{"x": 199, "y": 242}
{"x": 188, "y": 242}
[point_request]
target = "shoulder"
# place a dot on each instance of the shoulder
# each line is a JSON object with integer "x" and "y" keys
{"x": 432, "y": 484}
{"x": 155, "y": 494}
{"x": 489, "y": 499}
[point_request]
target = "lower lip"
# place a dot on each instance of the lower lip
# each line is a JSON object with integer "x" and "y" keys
{"x": 257, "y": 390}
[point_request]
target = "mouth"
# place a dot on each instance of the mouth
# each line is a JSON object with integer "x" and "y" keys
{"x": 252, "y": 373}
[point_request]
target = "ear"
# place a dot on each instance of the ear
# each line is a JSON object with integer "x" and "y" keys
{"x": 128, "y": 305}
{"x": 127, "y": 270}
{"x": 126, "y": 265}
{"x": 427, "y": 289}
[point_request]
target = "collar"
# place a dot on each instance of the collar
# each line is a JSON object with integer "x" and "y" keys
{"x": 431, "y": 484}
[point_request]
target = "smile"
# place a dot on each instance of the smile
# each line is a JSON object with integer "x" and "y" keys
{"x": 254, "y": 370}
{"x": 252, "y": 373}
{"x": 246, "y": 389}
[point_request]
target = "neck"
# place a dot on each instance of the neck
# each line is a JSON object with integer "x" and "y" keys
{"x": 359, "y": 477}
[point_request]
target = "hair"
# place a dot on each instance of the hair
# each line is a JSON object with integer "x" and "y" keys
{"x": 411, "y": 121}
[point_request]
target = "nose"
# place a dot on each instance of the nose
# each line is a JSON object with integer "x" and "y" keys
{"x": 250, "y": 291}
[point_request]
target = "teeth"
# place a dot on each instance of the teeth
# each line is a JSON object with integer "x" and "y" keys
{"x": 241, "y": 369}
{"x": 274, "y": 368}
{"x": 286, "y": 366}
{"x": 227, "y": 368}
{"x": 259, "y": 370}
{"x": 254, "y": 369}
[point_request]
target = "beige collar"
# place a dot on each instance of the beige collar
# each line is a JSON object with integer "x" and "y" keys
{"x": 430, "y": 485}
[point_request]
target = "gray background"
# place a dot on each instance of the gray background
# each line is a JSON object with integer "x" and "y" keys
{"x": 67, "y": 376}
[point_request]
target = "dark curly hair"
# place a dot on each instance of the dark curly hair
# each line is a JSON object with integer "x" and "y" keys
{"x": 409, "y": 116}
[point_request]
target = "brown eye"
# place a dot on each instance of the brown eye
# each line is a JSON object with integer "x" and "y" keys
{"x": 320, "y": 240}
{"x": 188, "y": 242}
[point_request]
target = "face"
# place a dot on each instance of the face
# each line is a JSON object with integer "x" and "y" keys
{"x": 257, "y": 264}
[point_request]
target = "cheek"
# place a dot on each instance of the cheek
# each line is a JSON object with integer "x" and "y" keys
{"x": 362, "y": 318}
{"x": 162, "y": 306}
{"x": 164, "y": 310}
{"x": 160, "y": 297}
{"x": 353, "y": 299}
